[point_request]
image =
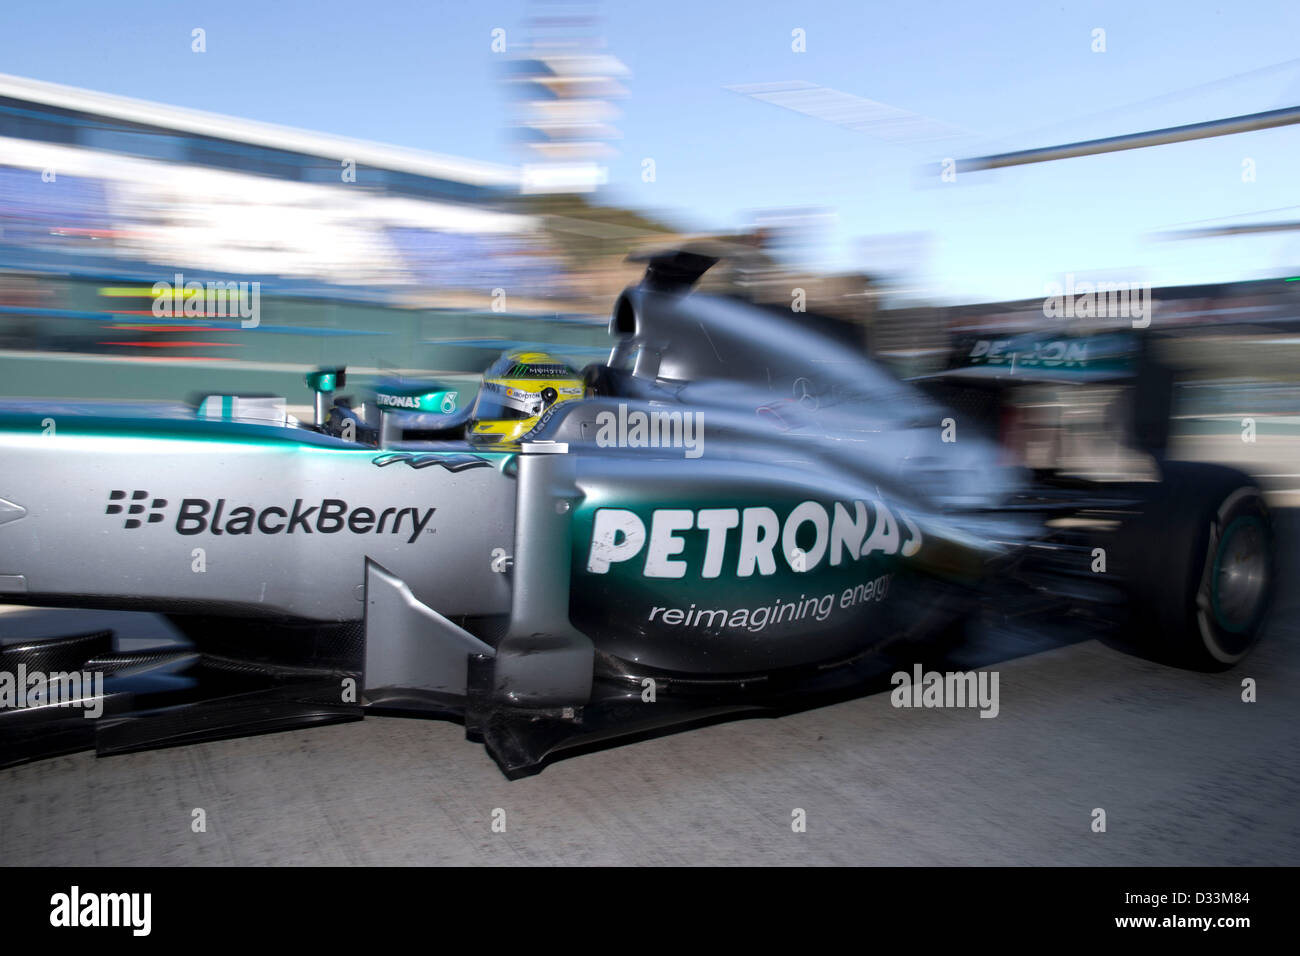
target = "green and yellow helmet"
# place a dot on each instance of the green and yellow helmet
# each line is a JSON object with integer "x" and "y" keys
{"x": 518, "y": 388}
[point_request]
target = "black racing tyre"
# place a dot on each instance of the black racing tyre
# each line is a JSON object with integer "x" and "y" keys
{"x": 1204, "y": 567}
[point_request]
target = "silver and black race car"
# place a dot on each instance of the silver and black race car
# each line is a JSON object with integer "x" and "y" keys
{"x": 739, "y": 511}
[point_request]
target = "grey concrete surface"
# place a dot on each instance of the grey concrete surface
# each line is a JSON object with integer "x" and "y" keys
{"x": 1187, "y": 773}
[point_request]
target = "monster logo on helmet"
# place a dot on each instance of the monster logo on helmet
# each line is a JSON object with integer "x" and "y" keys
{"x": 518, "y": 388}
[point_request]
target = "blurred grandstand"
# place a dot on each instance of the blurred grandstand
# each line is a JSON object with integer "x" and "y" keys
{"x": 366, "y": 254}
{"x": 92, "y": 181}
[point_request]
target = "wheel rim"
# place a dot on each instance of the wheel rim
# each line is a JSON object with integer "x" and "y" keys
{"x": 1239, "y": 577}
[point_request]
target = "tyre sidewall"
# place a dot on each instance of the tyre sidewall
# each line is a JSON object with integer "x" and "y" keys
{"x": 1179, "y": 542}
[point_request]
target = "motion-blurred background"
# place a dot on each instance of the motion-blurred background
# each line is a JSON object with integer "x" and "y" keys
{"x": 476, "y": 178}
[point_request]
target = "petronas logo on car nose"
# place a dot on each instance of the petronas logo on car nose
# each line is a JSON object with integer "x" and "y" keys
{"x": 135, "y": 507}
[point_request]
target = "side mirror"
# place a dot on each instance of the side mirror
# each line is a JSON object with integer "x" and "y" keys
{"x": 323, "y": 382}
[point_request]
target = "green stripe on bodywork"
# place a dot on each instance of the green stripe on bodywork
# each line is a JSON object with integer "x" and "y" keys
{"x": 189, "y": 430}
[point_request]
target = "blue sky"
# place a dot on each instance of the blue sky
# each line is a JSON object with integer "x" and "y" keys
{"x": 422, "y": 74}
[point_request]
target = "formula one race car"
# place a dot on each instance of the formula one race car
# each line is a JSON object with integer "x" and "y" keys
{"x": 729, "y": 515}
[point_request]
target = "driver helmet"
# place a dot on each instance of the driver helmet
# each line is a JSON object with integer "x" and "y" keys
{"x": 518, "y": 389}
